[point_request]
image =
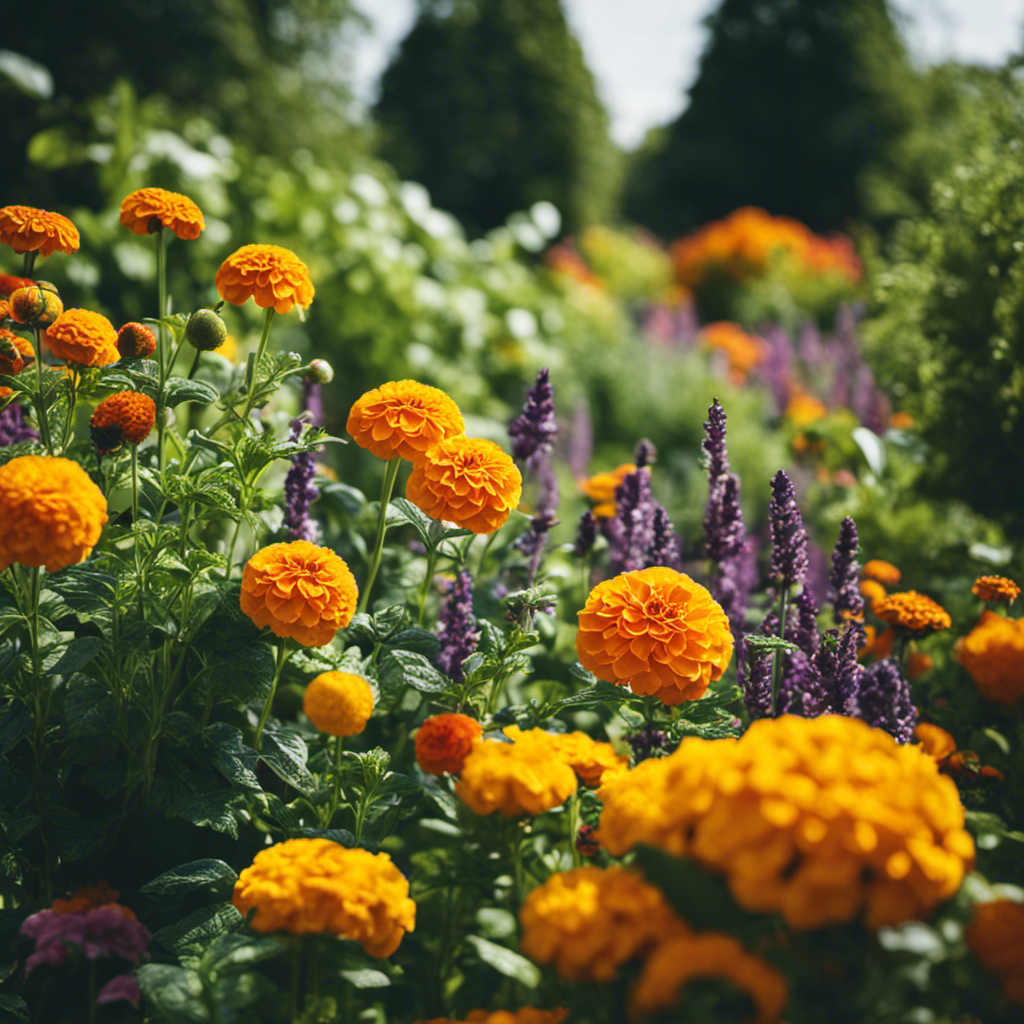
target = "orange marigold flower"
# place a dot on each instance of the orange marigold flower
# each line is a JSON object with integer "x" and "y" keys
{"x": 124, "y": 418}
{"x": 300, "y": 591}
{"x": 817, "y": 819}
{"x": 443, "y": 742}
{"x": 803, "y": 408}
{"x": 5, "y": 310}
{"x": 80, "y": 336}
{"x": 514, "y": 779}
{"x": 35, "y": 307}
{"x": 314, "y": 886}
{"x": 995, "y": 589}
{"x": 524, "y": 1015}
{"x": 873, "y": 592}
{"x": 686, "y": 957}
{"x": 934, "y": 740}
{"x": 26, "y": 229}
{"x": 589, "y": 921}
{"x": 402, "y": 419}
{"x": 993, "y": 654}
{"x": 135, "y": 341}
{"x": 881, "y": 572}
{"x": 87, "y": 898}
{"x": 602, "y": 486}
{"x": 15, "y": 353}
{"x": 147, "y": 210}
{"x": 588, "y": 758}
{"x": 878, "y": 645}
{"x": 996, "y": 937}
{"x": 9, "y": 285}
{"x": 913, "y": 612}
{"x": 918, "y": 664}
{"x": 901, "y": 421}
{"x": 657, "y": 631}
{"x": 338, "y": 703}
{"x": 742, "y": 351}
{"x": 52, "y": 513}
{"x": 466, "y": 481}
{"x": 275, "y": 277}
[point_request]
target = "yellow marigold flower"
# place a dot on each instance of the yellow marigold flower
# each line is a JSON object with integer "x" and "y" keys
{"x": 901, "y": 421}
{"x": 52, "y": 513}
{"x": 466, "y": 481}
{"x": 913, "y": 613}
{"x": 443, "y": 742}
{"x": 135, "y": 341}
{"x": 993, "y": 654}
{"x": 589, "y": 921}
{"x": 80, "y": 336}
{"x": 803, "y": 408}
{"x": 26, "y": 229}
{"x": 818, "y": 819}
{"x": 686, "y": 957}
{"x": 657, "y": 631}
{"x": 314, "y": 886}
{"x": 300, "y": 591}
{"x": 878, "y": 645}
{"x": 338, "y": 703}
{"x": 146, "y": 210}
{"x": 35, "y": 307}
{"x": 873, "y": 592}
{"x": 602, "y": 486}
{"x": 742, "y": 351}
{"x": 524, "y": 1015}
{"x": 402, "y": 419}
{"x": 995, "y": 589}
{"x": 514, "y": 778}
{"x": 881, "y": 572}
{"x": 934, "y": 740}
{"x": 124, "y": 418}
{"x": 588, "y": 758}
{"x": 15, "y": 353}
{"x": 275, "y": 277}
{"x": 996, "y": 937}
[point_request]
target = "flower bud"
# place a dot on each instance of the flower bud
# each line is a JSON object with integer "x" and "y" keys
{"x": 320, "y": 371}
{"x": 205, "y": 330}
{"x": 48, "y": 286}
{"x": 35, "y": 307}
{"x": 135, "y": 341}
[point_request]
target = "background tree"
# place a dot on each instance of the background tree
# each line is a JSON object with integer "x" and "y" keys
{"x": 490, "y": 105}
{"x": 793, "y": 101}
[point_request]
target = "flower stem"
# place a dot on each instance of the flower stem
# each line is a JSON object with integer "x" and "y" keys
{"x": 390, "y": 473}
{"x": 135, "y": 510}
{"x": 431, "y": 562}
{"x": 162, "y": 360}
{"x": 777, "y": 660}
{"x": 336, "y": 791}
{"x": 44, "y": 423}
{"x": 250, "y": 384}
{"x": 574, "y": 821}
{"x": 29, "y": 262}
{"x": 72, "y": 399}
{"x": 283, "y": 652}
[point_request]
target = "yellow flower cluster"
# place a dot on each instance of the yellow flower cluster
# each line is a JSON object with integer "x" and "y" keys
{"x": 601, "y": 488}
{"x": 742, "y": 351}
{"x": 589, "y": 921}
{"x": 993, "y": 654}
{"x": 314, "y": 886}
{"x": 338, "y": 703}
{"x": 817, "y": 819}
{"x": 588, "y": 758}
{"x": 913, "y": 613}
{"x": 996, "y": 589}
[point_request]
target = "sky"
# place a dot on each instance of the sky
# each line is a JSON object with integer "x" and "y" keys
{"x": 644, "y": 53}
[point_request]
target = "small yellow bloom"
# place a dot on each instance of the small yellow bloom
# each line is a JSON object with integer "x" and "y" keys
{"x": 338, "y": 703}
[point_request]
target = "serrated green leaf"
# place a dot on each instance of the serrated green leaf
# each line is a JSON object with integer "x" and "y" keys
{"x": 79, "y": 652}
{"x": 232, "y": 952}
{"x": 179, "y": 389}
{"x": 230, "y": 755}
{"x": 14, "y": 1008}
{"x": 207, "y": 873}
{"x": 600, "y": 693}
{"x": 285, "y": 754}
{"x": 174, "y": 995}
{"x": 421, "y": 641}
{"x": 396, "y": 668}
{"x": 189, "y": 938}
{"x": 401, "y": 510}
{"x": 208, "y": 809}
{"x": 758, "y": 644}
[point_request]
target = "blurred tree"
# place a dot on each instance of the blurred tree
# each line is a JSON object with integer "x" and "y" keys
{"x": 793, "y": 100}
{"x": 489, "y": 104}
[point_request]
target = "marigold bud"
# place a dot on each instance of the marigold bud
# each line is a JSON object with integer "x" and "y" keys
{"x": 338, "y": 703}
{"x": 34, "y": 307}
{"x": 205, "y": 330}
{"x": 135, "y": 341}
{"x": 320, "y": 371}
{"x": 124, "y": 418}
{"x": 443, "y": 742}
{"x": 48, "y": 286}
{"x": 15, "y": 353}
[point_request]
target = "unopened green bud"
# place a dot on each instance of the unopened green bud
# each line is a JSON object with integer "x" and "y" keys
{"x": 205, "y": 330}
{"x": 320, "y": 371}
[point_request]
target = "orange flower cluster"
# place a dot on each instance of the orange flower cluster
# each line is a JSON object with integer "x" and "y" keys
{"x": 124, "y": 418}
{"x": 657, "y": 631}
{"x": 147, "y": 210}
{"x": 938, "y": 743}
{"x": 402, "y": 419}
{"x": 995, "y": 589}
{"x": 135, "y": 341}
{"x": 467, "y": 481}
{"x": 514, "y": 778}
{"x": 601, "y": 488}
{"x": 87, "y": 898}
{"x": 276, "y": 278}
{"x": 590, "y": 759}
{"x": 881, "y": 572}
{"x": 301, "y": 591}
{"x": 743, "y": 245}
{"x": 742, "y": 351}
{"x": 338, "y": 703}
{"x": 15, "y": 353}
{"x": 996, "y": 937}
{"x": 314, "y": 886}
{"x": 874, "y": 593}
{"x": 803, "y": 408}
{"x": 80, "y": 336}
{"x": 877, "y": 645}
{"x": 913, "y": 613}
{"x": 9, "y": 285}
{"x": 993, "y": 654}
{"x": 524, "y": 1015}
{"x": 816, "y": 819}
{"x": 934, "y": 740}
{"x": 589, "y": 921}
{"x": 687, "y": 957}
{"x": 26, "y": 229}
{"x": 52, "y": 513}
{"x": 443, "y": 742}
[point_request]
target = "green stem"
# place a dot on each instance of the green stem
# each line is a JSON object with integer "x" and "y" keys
{"x": 431, "y": 562}
{"x": 70, "y": 421}
{"x": 483, "y": 553}
{"x": 161, "y": 286}
{"x": 29, "y": 262}
{"x": 282, "y": 656}
{"x": 336, "y": 791}
{"x": 574, "y": 822}
{"x": 44, "y": 423}
{"x": 390, "y": 473}
{"x": 195, "y": 364}
{"x": 135, "y": 510}
{"x": 250, "y": 385}
{"x": 296, "y": 958}
{"x": 777, "y": 660}
{"x": 364, "y": 806}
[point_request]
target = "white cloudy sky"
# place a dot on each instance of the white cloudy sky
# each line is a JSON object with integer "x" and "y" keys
{"x": 644, "y": 52}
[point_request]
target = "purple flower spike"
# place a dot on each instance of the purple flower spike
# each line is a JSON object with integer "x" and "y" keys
{"x": 457, "y": 627}
{"x": 884, "y": 701}
{"x": 13, "y": 428}
{"x": 801, "y": 689}
{"x": 632, "y": 530}
{"x": 789, "y": 537}
{"x": 664, "y": 549}
{"x": 841, "y": 674}
{"x": 714, "y": 443}
{"x": 844, "y": 580}
{"x": 299, "y": 490}
{"x": 802, "y": 628}
{"x": 586, "y": 534}
{"x": 533, "y": 431}
{"x": 757, "y": 686}
{"x": 724, "y": 529}
{"x": 645, "y": 455}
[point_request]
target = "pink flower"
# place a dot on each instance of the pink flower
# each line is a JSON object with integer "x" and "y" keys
{"x": 124, "y": 986}
{"x": 108, "y": 930}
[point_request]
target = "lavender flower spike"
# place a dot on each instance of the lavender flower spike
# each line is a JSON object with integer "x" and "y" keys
{"x": 632, "y": 529}
{"x": 457, "y": 627}
{"x": 664, "y": 547}
{"x": 645, "y": 455}
{"x": 586, "y": 534}
{"x": 789, "y": 536}
{"x": 757, "y": 686}
{"x": 885, "y": 703}
{"x": 714, "y": 443}
{"x": 13, "y": 428}
{"x": 533, "y": 431}
{"x": 299, "y": 490}
{"x": 844, "y": 580}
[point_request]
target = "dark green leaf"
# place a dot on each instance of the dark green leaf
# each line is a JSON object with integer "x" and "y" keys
{"x": 340, "y": 836}
{"x": 401, "y": 510}
{"x": 582, "y": 675}
{"x": 207, "y": 873}
{"x": 406, "y": 668}
{"x": 178, "y": 390}
{"x": 389, "y": 620}
{"x": 15, "y": 724}
{"x": 233, "y": 952}
{"x": 285, "y": 753}
{"x": 506, "y": 961}
{"x": 422, "y": 641}
{"x": 190, "y": 937}
{"x": 231, "y": 757}
{"x": 600, "y": 693}
{"x": 174, "y": 995}
{"x": 79, "y": 652}
{"x": 209, "y": 809}
{"x": 70, "y": 835}
{"x": 759, "y": 644}
{"x": 14, "y": 1008}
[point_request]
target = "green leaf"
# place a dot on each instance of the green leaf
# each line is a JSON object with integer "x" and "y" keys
{"x": 581, "y": 674}
{"x": 207, "y": 873}
{"x": 285, "y": 754}
{"x": 340, "y": 836}
{"x": 230, "y": 755}
{"x": 14, "y": 1008}
{"x": 422, "y": 641}
{"x": 366, "y": 977}
{"x": 506, "y": 961}
{"x": 233, "y": 952}
{"x": 759, "y": 644}
{"x": 388, "y": 620}
{"x": 397, "y": 668}
{"x": 592, "y": 696}
{"x": 401, "y": 510}
{"x": 208, "y": 809}
{"x": 84, "y": 588}
{"x": 15, "y": 724}
{"x": 174, "y": 995}
{"x": 189, "y": 938}
{"x": 70, "y": 835}
{"x": 178, "y": 390}
{"x": 71, "y": 658}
